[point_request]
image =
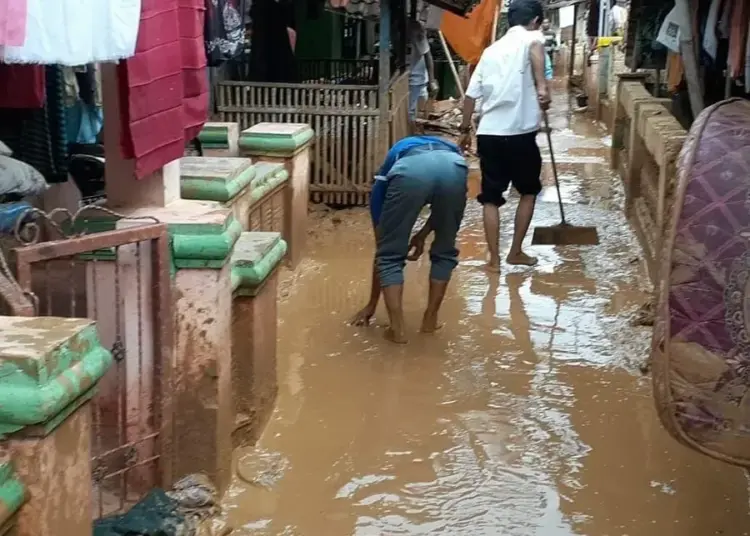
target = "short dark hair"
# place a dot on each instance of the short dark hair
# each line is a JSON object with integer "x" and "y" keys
{"x": 522, "y": 12}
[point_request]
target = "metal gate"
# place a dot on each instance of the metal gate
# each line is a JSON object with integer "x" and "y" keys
{"x": 120, "y": 279}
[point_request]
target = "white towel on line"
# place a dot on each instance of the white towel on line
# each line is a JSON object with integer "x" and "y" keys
{"x": 77, "y": 32}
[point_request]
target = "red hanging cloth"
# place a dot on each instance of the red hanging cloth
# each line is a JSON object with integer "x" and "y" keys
{"x": 22, "y": 86}
{"x": 164, "y": 87}
{"x": 738, "y": 37}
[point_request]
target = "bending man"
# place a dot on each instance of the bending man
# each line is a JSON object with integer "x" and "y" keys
{"x": 418, "y": 170}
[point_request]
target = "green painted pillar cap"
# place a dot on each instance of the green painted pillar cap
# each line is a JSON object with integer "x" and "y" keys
{"x": 210, "y": 178}
{"x": 217, "y": 135}
{"x": 255, "y": 256}
{"x": 275, "y": 139}
{"x": 49, "y": 367}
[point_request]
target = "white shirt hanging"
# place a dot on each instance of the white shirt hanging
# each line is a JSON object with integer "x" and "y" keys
{"x": 710, "y": 41}
{"x": 77, "y": 32}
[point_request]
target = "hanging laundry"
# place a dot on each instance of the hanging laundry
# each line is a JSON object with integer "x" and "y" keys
{"x": 722, "y": 28}
{"x": 21, "y": 86}
{"x": 12, "y": 22}
{"x": 675, "y": 71}
{"x": 76, "y": 32}
{"x": 83, "y": 118}
{"x": 271, "y": 21}
{"x": 38, "y": 137}
{"x": 164, "y": 87}
{"x": 469, "y": 36}
{"x": 224, "y": 30}
{"x": 740, "y": 20}
{"x": 710, "y": 40}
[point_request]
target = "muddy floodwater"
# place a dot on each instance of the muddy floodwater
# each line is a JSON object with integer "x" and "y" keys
{"x": 525, "y": 415}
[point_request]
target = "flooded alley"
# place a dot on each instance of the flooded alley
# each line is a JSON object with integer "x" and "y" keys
{"x": 526, "y": 415}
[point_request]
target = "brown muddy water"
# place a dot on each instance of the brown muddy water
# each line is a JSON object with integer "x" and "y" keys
{"x": 525, "y": 415}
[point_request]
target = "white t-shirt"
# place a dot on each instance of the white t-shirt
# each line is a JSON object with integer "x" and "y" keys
{"x": 504, "y": 82}
{"x": 419, "y": 46}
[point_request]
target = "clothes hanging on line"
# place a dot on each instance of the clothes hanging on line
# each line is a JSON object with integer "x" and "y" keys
{"x": 270, "y": 37}
{"x": 738, "y": 38}
{"x": 12, "y": 22}
{"x": 224, "y": 30}
{"x": 83, "y": 115}
{"x": 675, "y": 71}
{"x": 39, "y": 137}
{"x": 22, "y": 86}
{"x": 76, "y": 32}
{"x": 164, "y": 86}
{"x": 710, "y": 40}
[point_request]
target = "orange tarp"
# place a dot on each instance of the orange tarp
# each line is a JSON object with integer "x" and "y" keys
{"x": 469, "y": 36}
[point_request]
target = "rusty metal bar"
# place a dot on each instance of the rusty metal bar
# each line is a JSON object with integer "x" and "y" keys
{"x": 163, "y": 302}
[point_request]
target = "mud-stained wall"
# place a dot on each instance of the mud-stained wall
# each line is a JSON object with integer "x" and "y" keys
{"x": 57, "y": 471}
{"x": 254, "y": 382}
{"x": 202, "y": 375}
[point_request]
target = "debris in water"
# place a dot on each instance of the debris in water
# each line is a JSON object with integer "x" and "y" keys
{"x": 644, "y": 316}
{"x": 194, "y": 492}
{"x": 261, "y": 468}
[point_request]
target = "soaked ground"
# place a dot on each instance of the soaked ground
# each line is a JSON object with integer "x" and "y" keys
{"x": 525, "y": 415}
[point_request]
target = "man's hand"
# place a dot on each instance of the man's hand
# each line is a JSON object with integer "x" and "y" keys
{"x": 416, "y": 247}
{"x": 433, "y": 87}
{"x": 544, "y": 100}
{"x": 464, "y": 141}
{"x": 363, "y": 317}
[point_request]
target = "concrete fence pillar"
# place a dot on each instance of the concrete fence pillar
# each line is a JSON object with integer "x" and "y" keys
{"x": 220, "y": 139}
{"x": 288, "y": 144}
{"x": 49, "y": 369}
{"x": 255, "y": 262}
{"x": 237, "y": 184}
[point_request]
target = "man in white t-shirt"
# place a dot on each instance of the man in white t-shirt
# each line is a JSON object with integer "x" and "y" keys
{"x": 510, "y": 82}
{"x": 421, "y": 68}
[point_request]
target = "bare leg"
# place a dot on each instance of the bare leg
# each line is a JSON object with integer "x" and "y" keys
{"x": 524, "y": 213}
{"x": 492, "y": 235}
{"x": 393, "y": 298}
{"x": 434, "y": 300}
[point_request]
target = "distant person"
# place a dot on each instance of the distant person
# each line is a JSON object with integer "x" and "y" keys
{"x": 422, "y": 81}
{"x": 418, "y": 171}
{"x": 510, "y": 82}
{"x": 550, "y": 40}
{"x": 618, "y": 19}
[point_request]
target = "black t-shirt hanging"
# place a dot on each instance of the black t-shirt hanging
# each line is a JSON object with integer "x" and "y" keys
{"x": 224, "y": 32}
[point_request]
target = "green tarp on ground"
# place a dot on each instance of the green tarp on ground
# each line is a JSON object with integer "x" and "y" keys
{"x": 155, "y": 515}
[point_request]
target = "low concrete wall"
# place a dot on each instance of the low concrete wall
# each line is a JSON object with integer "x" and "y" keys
{"x": 646, "y": 141}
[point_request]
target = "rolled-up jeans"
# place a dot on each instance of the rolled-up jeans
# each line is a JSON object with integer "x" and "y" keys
{"x": 416, "y": 93}
{"x": 426, "y": 175}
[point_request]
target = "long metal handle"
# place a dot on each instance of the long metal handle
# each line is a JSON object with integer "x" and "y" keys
{"x": 554, "y": 166}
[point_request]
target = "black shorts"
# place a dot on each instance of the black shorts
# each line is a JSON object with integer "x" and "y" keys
{"x": 509, "y": 160}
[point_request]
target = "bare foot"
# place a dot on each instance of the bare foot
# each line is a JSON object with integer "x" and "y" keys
{"x": 521, "y": 259}
{"x": 430, "y": 325}
{"x": 491, "y": 267}
{"x": 392, "y": 336}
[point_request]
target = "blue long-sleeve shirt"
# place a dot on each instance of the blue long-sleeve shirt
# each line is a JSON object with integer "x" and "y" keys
{"x": 399, "y": 149}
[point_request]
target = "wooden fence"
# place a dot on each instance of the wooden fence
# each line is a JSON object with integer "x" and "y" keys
{"x": 349, "y": 139}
